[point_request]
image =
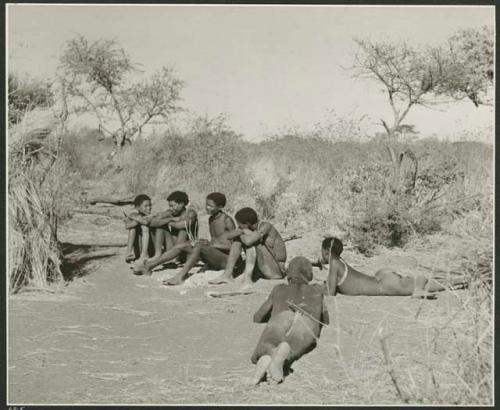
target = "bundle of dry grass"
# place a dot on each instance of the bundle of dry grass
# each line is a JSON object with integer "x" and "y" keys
{"x": 34, "y": 257}
{"x": 33, "y": 252}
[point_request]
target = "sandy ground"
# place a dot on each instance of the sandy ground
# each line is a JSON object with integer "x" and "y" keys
{"x": 113, "y": 337}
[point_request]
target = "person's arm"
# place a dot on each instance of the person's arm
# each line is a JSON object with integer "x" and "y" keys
{"x": 138, "y": 219}
{"x": 331, "y": 281}
{"x": 234, "y": 234}
{"x": 180, "y": 222}
{"x": 262, "y": 314}
{"x": 251, "y": 237}
{"x": 325, "y": 317}
{"x": 129, "y": 223}
{"x": 161, "y": 219}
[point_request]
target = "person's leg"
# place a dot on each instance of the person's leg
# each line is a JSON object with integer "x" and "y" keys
{"x": 261, "y": 368}
{"x": 163, "y": 241}
{"x": 278, "y": 358}
{"x": 167, "y": 256}
{"x": 426, "y": 287}
{"x": 130, "y": 245}
{"x": 232, "y": 259}
{"x": 194, "y": 256}
{"x": 151, "y": 245}
{"x": 393, "y": 284}
{"x": 144, "y": 242}
{"x": 268, "y": 266}
{"x": 146, "y": 268}
{"x": 250, "y": 262}
{"x": 272, "y": 336}
{"x": 214, "y": 258}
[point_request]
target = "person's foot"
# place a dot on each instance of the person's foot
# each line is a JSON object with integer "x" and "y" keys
{"x": 422, "y": 294}
{"x": 260, "y": 369}
{"x": 176, "y": 280}
{"x": 275, "y": 369}
{"x": 204, "y": 268}
{"x": 245, "y": 285}
{"x": 141, "y": 269}
{"x": 130, "y": 257}
{"x": 221, "y": 279}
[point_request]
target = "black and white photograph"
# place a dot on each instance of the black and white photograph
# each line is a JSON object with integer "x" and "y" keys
{"x": 249, "y": 204}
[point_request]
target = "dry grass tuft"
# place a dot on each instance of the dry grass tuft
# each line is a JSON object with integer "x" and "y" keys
{"x": 34, "y": 178}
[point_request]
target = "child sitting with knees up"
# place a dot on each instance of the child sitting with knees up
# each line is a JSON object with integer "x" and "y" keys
{"x": 295, "y": 313}
{"x": 140, "y": 237}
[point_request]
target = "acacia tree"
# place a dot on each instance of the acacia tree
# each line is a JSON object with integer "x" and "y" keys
{"x": 415, "y": 76}
{"x": 96, "y": 76}
{"x": 468, "y": 57}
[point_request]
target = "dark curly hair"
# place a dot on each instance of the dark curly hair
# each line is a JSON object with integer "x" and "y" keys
{"x": 218, "y": 198}
{"x": 335, "y": 244}
{"x": 139, "y": 199}
{"x": 179, "y": 197}
{"x": 246, "y": 216}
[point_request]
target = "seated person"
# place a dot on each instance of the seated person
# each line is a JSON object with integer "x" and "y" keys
{"x": 140, "y": 240}
{"x": 344, "y": 279}
{"x": 263, "y": 246}
{"x": 214, "y": 252}
{"x": 295, "y": 313}
{"x": 175, "y": 228}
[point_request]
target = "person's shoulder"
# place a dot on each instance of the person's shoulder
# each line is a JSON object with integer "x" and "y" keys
{"x": 191, "y": 212}
{"x": 266, "y": 225}
{"x": 279, "y": 287}
{"x": 317, "y": 287}
{"x": 135, "y": 212}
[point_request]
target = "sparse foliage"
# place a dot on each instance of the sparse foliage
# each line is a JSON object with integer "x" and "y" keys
{"x": 413, "y": 76}
{"x": 97, "y": 75}
{"x": 26, "y": 94}
{"x": 468, "y": 61}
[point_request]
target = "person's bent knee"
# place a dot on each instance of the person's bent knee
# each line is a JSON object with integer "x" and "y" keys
{"x": 182, "y": 246}
{"x": 251, "y": 251}
{"x": 254, "y": 358}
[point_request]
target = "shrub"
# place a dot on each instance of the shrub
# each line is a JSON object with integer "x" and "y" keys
{"x": 26, "y": 94}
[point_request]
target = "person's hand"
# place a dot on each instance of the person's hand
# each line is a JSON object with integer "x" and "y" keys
{"x": 148, "y": 219}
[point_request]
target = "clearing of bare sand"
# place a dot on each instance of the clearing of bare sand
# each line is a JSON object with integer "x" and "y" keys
{"x": 110, "y": 337}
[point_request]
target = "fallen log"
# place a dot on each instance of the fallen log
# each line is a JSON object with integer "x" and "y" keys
{"x": 78, "y": 258}
{"x": 229, "y": 293}
{"x": 128, "y": 200}
{"x": 96, "y": 212}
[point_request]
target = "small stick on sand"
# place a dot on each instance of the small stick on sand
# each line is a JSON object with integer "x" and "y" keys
{"x": 230, "y": 293}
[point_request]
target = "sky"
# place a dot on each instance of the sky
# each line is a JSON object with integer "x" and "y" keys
{"x": 266, "y": 68}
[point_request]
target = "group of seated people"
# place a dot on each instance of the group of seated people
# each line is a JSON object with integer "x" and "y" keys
{"x": 294, "y": 311}
{"x": 254, "y": 247}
